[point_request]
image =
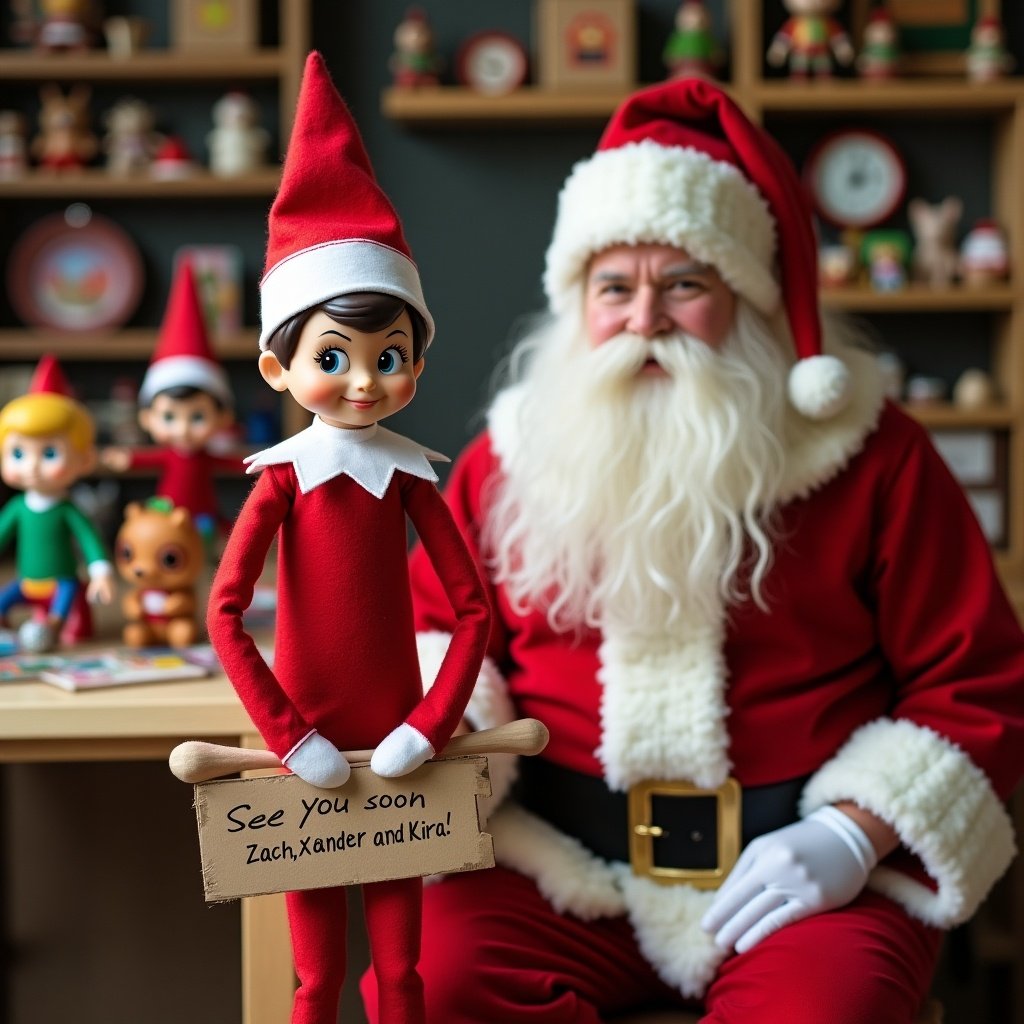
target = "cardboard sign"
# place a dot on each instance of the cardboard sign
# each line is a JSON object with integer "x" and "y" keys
{"x": 279, "y": 834}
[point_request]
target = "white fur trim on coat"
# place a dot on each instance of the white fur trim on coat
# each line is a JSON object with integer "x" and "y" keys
{"x": 489, "y": 706}
{"x": 665, "y": 919}
{"x": 670, "y": 195}
{"x": 663, "y": 707}
{"x": 936, "y": 798}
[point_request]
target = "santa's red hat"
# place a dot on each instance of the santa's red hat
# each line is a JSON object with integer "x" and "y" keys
{"x": 680, "y": 164}
{"x": 48, "y": 378}
{"x": 332, "y": 230}
{"x": 183, "y": 357}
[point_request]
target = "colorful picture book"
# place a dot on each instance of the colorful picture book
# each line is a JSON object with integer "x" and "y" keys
{"x": 120, "y": 667}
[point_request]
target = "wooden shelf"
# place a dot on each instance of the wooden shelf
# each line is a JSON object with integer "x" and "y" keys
{"x": 458, "y": 106}
{"x": 937, "y": 97}
{"x": 108, "y": 346}
{"x": 942, "y": 415}
{"x": 148, "y": 66}
{"x": 919, "y": 298}
{"x": 97, "y": 183}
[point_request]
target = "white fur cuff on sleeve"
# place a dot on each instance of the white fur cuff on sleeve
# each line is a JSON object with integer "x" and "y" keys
{"x": 489, "y": 706}
{"x": 941, "y": 804}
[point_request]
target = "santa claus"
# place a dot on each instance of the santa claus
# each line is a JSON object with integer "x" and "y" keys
{"x": 749, "y": 602}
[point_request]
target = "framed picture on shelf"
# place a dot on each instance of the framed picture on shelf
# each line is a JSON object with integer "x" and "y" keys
{"x": 934, "y": 34}
{"x": 218, "y": 273}
{"x": 214, "y": 25}
{"x": 586, "y": 44}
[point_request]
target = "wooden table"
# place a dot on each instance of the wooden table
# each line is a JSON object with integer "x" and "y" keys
{"x": 42, "y": 723}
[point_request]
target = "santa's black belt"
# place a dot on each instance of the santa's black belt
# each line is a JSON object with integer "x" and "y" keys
{"x": 668, "y": 831}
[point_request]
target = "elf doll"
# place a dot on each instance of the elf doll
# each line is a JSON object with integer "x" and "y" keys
{"x": 344, "y": 330}
{"x": 809, "y": 38}
{"x": 46, "y": 445}
{"x": 185, "y": 400}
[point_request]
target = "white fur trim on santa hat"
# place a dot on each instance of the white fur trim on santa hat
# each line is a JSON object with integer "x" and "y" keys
{"x": 819, "y": 387}
{"x": 941, "y": 804}
{"x": 672, "y": 195}
{"x": 185, "y": 371}
{"x": 314, "y": 275}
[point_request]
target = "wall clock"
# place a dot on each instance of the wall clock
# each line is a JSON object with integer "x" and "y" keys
{"x": 492, "y": 62}
{"x": 856, "y": 177}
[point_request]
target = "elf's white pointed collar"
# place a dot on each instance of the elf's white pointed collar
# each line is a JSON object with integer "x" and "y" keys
{"x": 369, "y": 455}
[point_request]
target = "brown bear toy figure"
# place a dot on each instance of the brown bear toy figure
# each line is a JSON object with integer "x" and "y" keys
{"x": 160, "y": 553}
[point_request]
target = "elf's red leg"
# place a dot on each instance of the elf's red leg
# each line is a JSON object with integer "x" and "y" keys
{"x": 317, "y": 919}
{"x": 393, "y": 914}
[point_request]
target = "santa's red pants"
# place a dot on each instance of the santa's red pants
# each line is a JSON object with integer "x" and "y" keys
{"x": 495, "y": 951}
{"x": 317, "y": 919}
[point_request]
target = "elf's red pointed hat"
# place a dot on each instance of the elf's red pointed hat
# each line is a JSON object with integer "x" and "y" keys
{"x": 332, "y": 231}
{"x": 48, "y": 378}
{"x": 680, "y": 164}
{"x": 183, "y": 357}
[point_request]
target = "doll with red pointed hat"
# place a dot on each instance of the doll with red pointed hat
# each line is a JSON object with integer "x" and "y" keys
{"x": 47, "y": 445}
{"x": 345, "y": 329}
{"x": 185, "y": 401}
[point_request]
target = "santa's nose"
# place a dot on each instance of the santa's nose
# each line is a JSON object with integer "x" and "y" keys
{"x": 647, "y": 316}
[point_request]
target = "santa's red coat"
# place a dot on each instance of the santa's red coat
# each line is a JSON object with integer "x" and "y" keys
{"x": 889, "y": 666}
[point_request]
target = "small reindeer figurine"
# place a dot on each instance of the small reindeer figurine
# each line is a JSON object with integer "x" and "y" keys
{"x": 935, "y": 257}
{"x": 65, "y": 141}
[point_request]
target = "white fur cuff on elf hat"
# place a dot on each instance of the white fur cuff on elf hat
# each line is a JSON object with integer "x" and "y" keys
{"x": 680, "y": 164}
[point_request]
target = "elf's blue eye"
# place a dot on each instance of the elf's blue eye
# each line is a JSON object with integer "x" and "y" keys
{"x": 390, "y": 361}
{"x": 50, "y": 453}
{"x": 333, "y": 361}
{"x": 17, "y": 454}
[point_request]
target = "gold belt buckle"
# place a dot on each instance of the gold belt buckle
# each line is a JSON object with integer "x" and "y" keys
{"x": 643, "y": 832}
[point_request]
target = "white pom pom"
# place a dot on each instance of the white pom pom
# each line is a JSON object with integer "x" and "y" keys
{"x": 819, "y": 387}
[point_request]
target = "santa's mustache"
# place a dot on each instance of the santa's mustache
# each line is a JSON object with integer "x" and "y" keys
{"x": 625, "y": 355}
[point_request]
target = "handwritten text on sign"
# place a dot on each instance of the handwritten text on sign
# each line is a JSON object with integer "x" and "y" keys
{"x": 277, "y": 833}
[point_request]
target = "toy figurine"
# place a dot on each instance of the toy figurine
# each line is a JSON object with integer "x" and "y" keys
{"x": 809, "y": 38}
{"x": 237, "y": 143}
{"x": 886, "y": 253}
{"x": 172, "y": 160}
{"x": 984, "y": 255}
{"x": 692, "y": 48}
{"x": 974, "y": 389}
{"x": 935, "y": 256}
{"x": 987, "y": 58}
{"x": 65, "y": 26}
{"x": 414, "y": 62}
{"x": 185, "y": 401}
{"x": 879, "y": 57}
{"x": 159, "y": 553}
{"x": 130, "y": 142}
{"x": 837, "y": 265}
{"x": 46, "y": 445}
{"x": 64, "y": 141}
{"x": 13, "y": 149}
{"x": 344, "y": 330}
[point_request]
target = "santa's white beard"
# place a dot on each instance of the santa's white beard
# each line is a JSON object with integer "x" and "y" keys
{"x": 640, "y": 501}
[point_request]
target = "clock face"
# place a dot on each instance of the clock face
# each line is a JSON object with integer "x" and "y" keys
{"x": 857, "y": 179}
{"x": 493, "y": 63}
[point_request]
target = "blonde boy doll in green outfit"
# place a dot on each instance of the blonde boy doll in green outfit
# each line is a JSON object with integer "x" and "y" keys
{"x": 47, "y": 443}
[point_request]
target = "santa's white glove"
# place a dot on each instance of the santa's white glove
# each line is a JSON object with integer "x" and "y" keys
{"x": 817, "y": 864}
{"x": 318, "y": 761}
{"x": 402, "y": 750}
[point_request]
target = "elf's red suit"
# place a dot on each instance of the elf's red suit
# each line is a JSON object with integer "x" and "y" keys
{"x": 888, "y": 669}
{"x": 187, "y": 478}
{"x": 345, "y": 659}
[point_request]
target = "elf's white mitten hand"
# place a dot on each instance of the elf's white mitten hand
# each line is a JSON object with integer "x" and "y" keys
{"x": 817, "y": 864}
{"x": 402, "y": 750}
{"x": 318, "y": 761}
